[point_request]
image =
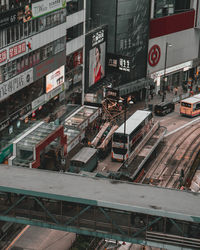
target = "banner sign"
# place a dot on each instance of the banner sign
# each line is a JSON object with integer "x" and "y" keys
{"x": 55, "y": 78}
{"x": 119, "y": 63}
{"x": 44, "y": 7}
{"x": 16, "y": 83}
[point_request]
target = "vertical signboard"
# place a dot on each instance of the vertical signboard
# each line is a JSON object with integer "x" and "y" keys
{"x": 95, "y": 56}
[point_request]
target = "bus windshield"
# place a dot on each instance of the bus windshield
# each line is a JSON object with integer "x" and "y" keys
{"x": 119, "y": 138}
{"x": 121, "y": 151}
{"x": 185, "y": 104}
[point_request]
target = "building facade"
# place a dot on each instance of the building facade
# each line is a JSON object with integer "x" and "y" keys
{"x": 41, "y": 58}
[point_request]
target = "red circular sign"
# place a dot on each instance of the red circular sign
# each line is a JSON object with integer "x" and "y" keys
{"x": 154, "y": 55}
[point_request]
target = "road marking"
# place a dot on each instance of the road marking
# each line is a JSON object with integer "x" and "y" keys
{"x": 185, "y": 125}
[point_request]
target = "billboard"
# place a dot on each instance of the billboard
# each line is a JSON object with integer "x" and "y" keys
{"x": 55, "y": 79}
{"x": 119, "y": 63}
{"x": 95, "y": 56}
{"x": 46, "y": 6}
{"x": 128, "y": 33}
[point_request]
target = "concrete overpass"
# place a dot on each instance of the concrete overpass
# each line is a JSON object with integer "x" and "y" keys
{"x": 105, "y": 208}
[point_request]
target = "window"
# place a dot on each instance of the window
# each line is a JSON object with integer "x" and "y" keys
{"x": 170, "y": 7}
{"x": 74, "y": 6}
{"x": 185, "y": 104}
{"x": 121, "y": 151}
{"x": 74, "y": 32}
{"x": 23, "y": 30}
{"x": 119, "y": 138}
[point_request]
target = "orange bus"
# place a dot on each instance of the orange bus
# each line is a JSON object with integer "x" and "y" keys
{"x": 190, "y": 106}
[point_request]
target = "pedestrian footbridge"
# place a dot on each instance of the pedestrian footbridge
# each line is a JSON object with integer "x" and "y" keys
{"x": 142, "y": 214}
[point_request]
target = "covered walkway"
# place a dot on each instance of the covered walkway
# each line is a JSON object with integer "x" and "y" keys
{"x": 143, "y": 214}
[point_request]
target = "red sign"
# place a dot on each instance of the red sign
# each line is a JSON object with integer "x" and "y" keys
{"x": 3, "y": 56}
{"x": 17, "y": 49}
{"x": 154, "y": 55}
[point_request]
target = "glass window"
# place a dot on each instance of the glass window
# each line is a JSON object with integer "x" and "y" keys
{"x": 185, "y": 104}
{"x": 74, "y": 32}
{"x": 119, "y": 138}
{"x": 8, "y": 35}
{"x": 74, "y": 6}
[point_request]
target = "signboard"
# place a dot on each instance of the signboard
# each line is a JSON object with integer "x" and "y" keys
{"x": 38, "y": 102}
{"x": 95, "y": 56}
{"x": 6, "y": 152}
{"x": 171, "y": 69}
{"x": 49, "y": 65}
{"x": 13, "y": 52}
{"x": 119, "y": 63}
{"x": 15, "y": 84}
{"x": 17, "y": 49}
{"x": 110, "y": 92}
{"x": 53, "y": 93}
{"x": 55, "y": 78}
{"x": 46, "y": 6}
{"x": 3, "y": 56}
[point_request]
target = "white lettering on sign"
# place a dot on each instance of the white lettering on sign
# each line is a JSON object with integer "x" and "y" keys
{"x": 17, "y": 49}
{"x": 124, "y": 65}
{"x": 97, "y": 37}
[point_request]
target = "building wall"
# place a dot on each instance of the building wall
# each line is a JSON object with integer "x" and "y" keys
{"x": 185, "y": 47}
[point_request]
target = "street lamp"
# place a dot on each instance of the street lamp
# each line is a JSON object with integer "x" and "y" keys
{"x": 125, "y": 103}
{"x": 165, "y": 66}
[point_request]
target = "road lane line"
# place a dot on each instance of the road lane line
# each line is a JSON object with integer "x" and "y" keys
{"x": 185, "y": 125}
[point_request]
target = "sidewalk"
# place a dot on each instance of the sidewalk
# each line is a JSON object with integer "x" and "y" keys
{"x": 169, "y": 96}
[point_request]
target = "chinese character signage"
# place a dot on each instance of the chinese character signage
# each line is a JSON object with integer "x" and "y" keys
{"x": 3, "y": 56}
{"x": 16, "y": 83}
{"x": 17, "y": 49}
{"x": 119, "y": 63}
{"x": 124, "y": 65}
{"x": 46, "y": 6}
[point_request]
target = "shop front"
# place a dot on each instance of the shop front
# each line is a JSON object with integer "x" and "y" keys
{"x": 38, "y": 143}
{"x": 172, "y": 59}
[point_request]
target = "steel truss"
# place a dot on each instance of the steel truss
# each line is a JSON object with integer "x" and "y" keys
{"x": 99, "y": 221}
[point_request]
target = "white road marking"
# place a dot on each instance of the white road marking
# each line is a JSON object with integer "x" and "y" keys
{"x": 185, "y": 125}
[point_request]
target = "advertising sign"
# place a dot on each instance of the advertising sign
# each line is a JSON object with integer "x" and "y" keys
{"x": 17, "y": 49}
{"x": 15, "y": 84}
{"x": 46, "y": 6}
{"x": 95, "y": 56}
{"x": 49, "y": 65}
{"x": 3, "y": 56}
{"x": 119, "y": 63}
{"x": 55, "y": 78}
{"x": 38, "y": 102}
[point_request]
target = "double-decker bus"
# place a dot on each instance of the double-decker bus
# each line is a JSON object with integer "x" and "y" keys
{"x": 135, "y": 127}
{"x": 190, "y": 106}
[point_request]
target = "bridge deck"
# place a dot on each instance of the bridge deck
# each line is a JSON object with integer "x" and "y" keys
{"x": 101, "y": 192}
